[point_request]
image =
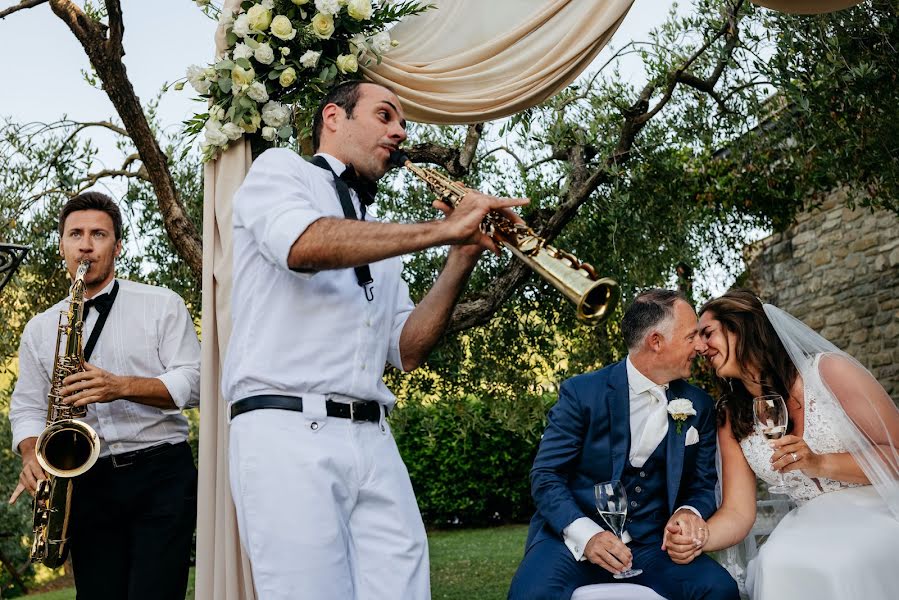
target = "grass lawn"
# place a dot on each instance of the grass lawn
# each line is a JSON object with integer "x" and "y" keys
{"x": 465, "y": 564}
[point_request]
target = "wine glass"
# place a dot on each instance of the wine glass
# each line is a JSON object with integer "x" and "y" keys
{"x": 771, "y": 413}
{"x": 611, "y": 502}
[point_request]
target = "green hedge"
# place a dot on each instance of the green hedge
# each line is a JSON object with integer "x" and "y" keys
{"x": 467, "y": 467}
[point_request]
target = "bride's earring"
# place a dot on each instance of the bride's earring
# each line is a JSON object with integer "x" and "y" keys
{"x": 730, "y": 384}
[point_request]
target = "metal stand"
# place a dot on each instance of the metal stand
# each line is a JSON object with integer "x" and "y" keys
{"x": 11, "y": 256}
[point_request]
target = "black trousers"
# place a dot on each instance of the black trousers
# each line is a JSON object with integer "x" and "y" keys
{"x": 132, "y": 527}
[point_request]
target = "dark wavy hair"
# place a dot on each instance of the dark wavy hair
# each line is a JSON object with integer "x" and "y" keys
{"x": 757, "y": 347}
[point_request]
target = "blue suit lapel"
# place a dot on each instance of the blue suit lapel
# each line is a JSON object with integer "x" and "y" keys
{"x": 619, "y": 401}
{"x": 675, "y": 453}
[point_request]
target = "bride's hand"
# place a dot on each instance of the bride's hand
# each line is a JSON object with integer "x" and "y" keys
{"x": 791, "y": 453}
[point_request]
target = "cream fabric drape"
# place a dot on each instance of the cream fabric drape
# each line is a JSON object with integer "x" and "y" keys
{"x": 223, "y": 569}
{"x": 476, "y": 60}
{"x": 513, "y": 55}
{"x": 807, "y": 7}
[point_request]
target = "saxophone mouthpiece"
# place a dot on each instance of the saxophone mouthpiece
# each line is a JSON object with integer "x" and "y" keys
{"x": 398, "y": 158}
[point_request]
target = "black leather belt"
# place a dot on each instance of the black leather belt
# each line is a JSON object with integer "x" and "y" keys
{"x": 361, "y": 410}
{"x": 136, "y": 456}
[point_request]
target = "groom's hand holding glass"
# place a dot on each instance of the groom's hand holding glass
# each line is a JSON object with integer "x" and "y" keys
{"x": 685, "y": 535}
{"x": 609, "y": 552}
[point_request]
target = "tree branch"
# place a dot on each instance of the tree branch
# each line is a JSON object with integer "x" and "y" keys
{"x": 21, "y": 6}
{"x": 105, "y": 56}
{"x": 586, "y": 176}
{"x": 471, "y": 145}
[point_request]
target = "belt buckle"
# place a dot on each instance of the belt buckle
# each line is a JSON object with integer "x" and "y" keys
{"x": 124, "y": 461}
{"x": 352, "y": 411}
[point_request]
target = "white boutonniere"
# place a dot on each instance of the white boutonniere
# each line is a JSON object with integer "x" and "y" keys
{"x": 680, "y": 409}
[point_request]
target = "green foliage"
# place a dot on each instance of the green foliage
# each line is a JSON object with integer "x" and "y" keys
{"x": 466, "y": 466}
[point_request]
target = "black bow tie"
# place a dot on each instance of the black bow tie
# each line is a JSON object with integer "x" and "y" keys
{"x": 101, "y": 304}
{"x": 365, "y": 189}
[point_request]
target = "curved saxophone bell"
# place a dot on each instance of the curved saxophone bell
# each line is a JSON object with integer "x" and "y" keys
{"x": 67, "y": 448}
{"x": 594, "y": 297}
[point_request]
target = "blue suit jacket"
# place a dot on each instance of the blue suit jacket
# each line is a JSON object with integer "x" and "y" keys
{"x": 587, "y": 440}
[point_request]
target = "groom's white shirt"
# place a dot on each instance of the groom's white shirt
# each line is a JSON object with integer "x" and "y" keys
{"x": 649, "y": 425}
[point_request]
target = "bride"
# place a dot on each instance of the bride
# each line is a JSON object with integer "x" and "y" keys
{"x": 839, "y": 454}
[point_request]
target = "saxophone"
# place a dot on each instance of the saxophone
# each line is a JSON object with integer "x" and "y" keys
{"x": 67, "y": 447}
{"x": 593, "y": 296}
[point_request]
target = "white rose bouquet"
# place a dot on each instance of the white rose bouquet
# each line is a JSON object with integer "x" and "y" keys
{"x": 282, "y": 57}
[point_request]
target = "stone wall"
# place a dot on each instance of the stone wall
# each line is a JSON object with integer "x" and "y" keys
{"x": 837, "y": 270}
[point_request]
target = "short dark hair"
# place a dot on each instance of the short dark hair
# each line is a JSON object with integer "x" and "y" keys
{"x": 646, "y": 311}
{"x": 345, "y": 95}
{"x": 92, "y": 201}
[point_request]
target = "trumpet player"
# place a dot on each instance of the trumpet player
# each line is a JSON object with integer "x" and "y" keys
{"x": 324, "y": 504}
{"x": 133, "y": 512}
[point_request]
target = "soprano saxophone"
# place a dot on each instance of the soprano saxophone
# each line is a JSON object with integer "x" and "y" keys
{"x": 68, "y": 446}
{"x": 593, "y": 296}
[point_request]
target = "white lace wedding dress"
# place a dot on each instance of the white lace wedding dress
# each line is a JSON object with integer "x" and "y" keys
{"x": 841, "y": 541}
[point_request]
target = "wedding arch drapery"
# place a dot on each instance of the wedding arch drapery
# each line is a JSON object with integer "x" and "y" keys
{"x": 569, "y": 32}
{"x": 469, "y": 61}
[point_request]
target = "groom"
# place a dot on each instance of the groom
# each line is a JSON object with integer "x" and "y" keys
{"x": 615, "y": 424}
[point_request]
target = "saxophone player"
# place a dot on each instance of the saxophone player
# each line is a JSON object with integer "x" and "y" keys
{"x": 324, "y": 503}
{"x": 133, "y": 513}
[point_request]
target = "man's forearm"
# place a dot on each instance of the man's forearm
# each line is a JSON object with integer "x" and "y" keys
{"x": 331, "y": 243}
{"x": 428, "y": 321}
{"x": 146, "y": 390}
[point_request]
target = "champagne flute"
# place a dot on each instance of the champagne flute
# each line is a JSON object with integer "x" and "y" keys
{"x": 611, "y": 502}
{"x": 771, "y": 413}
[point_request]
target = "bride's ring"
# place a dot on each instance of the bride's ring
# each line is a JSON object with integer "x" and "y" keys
{"x": 795, "y": 457}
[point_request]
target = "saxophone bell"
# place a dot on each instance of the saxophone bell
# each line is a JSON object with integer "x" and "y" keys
{"x": 594, "y": 297}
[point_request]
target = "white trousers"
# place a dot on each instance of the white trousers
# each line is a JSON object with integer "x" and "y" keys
{"x": 325, "y": 509}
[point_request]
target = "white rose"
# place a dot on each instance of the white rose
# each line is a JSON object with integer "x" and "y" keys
{"x": 288, "y": 77}
{"x": 232, "y": 131}
{"x": 275, "y": 114}
{"x": 285, "y": 50}
{"x": 347, "y": 63}
{"x": 259, "y": 17}
{"x": 327, "y": 7}
{"x": 197, "y": 78}
{"x": 269, "y": 133}
{"x": 381, "y": 42}
{"x": 214, "y": 135}
{"x": 264, "y": 54}
{"x": 269, "y": 4}
{"x": 358, "y": 44}
{"x": 681, "y": 406}
{"x": 241, "y": 50}
{"x": 242, "y": 76}
{"x": 241, "y": 26}
{"x": 310, "y": 59}
{"x": 322, "y": 26}
{"x": 216, "y": 112}
{"x": 359, "y": 9}
{"x": 282, "y": 28}
{"x": 257, "y": 92}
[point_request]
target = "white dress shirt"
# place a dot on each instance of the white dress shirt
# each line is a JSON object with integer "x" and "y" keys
{"x": 148, "y": 333}
{"x": 649, "y": 426}
{"x": 295, "y": 333}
